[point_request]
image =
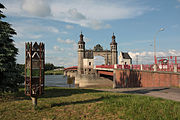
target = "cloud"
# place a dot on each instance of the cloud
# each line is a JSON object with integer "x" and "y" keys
{"x": 149, "y": 42}
{"x": 69, "y": 26}
{"x": 67, "y": 41}
{"x": 75, "y": 15}
{"x": 38, "y": 8}
{"x": 20, "y": 44}
{"x": 34, "y": 30}
{"x": 87, "y": 13}
{"x": 35, "y": 36}
{"x": 98, "y": 9}
{"x": 147, "y": 57}
{"x": 52, "y": 29}
{"x": 178, "y": 0}
{"x": 57, "y": 48}
{"x": 61, "y": 61}
{"x": 96, "y": 25}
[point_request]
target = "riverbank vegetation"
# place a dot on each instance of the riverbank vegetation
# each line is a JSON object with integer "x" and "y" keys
{"x": 76, "y": 104}
{"x": 54, "y": 72}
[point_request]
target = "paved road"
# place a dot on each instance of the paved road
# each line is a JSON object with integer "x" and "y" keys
{"x": 166, "y": 93}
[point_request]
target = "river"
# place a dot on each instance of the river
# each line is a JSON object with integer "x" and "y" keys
{"x": 56, "y": 80}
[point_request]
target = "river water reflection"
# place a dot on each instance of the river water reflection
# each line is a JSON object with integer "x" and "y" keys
{"x": 56, "y": 80}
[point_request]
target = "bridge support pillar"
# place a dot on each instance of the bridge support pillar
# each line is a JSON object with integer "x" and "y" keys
{"x": 114, "y": 79}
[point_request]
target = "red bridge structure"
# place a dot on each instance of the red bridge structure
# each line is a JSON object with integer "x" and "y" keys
{"x": 164, "y": 74}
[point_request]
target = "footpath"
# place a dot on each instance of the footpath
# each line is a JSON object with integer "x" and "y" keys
{"x": 162, "y": 92}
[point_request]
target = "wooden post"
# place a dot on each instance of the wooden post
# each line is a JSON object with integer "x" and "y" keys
{"x": 34, "y": 102}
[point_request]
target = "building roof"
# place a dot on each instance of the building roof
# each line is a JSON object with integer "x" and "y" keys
{"x": 126, "y": 55}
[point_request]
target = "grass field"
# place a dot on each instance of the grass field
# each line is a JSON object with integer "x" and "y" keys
{"x": 86, "y": 104}
{"x": 54, "y": 72}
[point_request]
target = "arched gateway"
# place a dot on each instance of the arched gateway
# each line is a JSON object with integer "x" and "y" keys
{"x": 86, "y": 57}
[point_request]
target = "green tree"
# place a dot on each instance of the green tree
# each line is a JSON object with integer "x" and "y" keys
{"x": 10, "y": 76}
{"x": 49, "y": 66}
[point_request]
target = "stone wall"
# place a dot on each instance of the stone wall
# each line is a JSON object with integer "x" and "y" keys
{"x": 134, "y": 78}
{"x": 91, "y": 80}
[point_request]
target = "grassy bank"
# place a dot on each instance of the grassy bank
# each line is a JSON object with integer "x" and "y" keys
{"x": 65, "y": 104}
{"x": 54, "y": 72}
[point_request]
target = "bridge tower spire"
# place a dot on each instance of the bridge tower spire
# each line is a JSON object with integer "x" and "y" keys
{"x": 81, "y": 53}
{"x": 114, "y": 52}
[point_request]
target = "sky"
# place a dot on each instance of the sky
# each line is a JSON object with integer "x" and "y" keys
{"x": 58, "y": 23}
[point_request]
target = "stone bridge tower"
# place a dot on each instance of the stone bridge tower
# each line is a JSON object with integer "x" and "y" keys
{"x": 110, "y": 56}
{"x": 81, "y": 54}
{"x": 114, "y": 52}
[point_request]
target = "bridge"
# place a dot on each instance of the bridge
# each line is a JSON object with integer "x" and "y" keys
{"x": 108, "y": 69}
{"x": 137, "y": 75}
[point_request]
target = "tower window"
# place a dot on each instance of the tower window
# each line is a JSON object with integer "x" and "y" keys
{"x": 89, "y": 63}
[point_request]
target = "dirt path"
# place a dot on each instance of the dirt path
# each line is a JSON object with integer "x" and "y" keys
{"x": 166, "y": 93}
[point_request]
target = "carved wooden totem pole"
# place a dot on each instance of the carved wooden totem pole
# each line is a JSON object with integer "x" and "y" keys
{"x": 34, "y": 70}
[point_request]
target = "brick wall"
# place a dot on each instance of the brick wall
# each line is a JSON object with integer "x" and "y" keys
{"x": 135, "y": 78}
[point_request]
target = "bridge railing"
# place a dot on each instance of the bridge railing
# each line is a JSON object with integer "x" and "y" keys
{"x": 137, "y": 67}
{"x": 105, "y": 66}
{"x": 178, "y": 67}
{"x": 70, "y": 68}
{"x": 149, "y": 67}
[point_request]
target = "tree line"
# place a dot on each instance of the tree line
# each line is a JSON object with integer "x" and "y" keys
{"x": 10, "y": 76}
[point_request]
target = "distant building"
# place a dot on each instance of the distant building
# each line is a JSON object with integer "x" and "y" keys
{"x": 125, "y": 59}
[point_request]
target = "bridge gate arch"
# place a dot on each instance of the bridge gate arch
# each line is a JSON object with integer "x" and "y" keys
{"x": 86, "y": 57}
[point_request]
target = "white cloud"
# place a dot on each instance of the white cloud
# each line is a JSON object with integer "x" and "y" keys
{"x": 75, "y": 15}
{"x": 57, "y": 48}
{"x": 98, "y": 9}
{"x": 64, "y": 32}
{"x": 67, "y": 41}
{"x": 61, "y": 61}
{"x": 35, "y": 36}
{"x": 149, "y": 42}
{"x": 147, "y": 57}
{"x": 96, "y": 25}
{"x": 178, "y": 0}
{"x": 34, "y": 30}
{"x": 69, "y": 26}
{"x": 87, "y": 13}
{"x": 38, "y": 8}
{"x": 52, "y": 29}
{"x": 20, "y": 44}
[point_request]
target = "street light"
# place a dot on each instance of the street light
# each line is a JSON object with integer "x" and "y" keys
{"x": 155, "y": 59}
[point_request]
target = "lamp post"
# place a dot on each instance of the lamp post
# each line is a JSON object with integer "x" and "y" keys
{"x": 155, "y": 59}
